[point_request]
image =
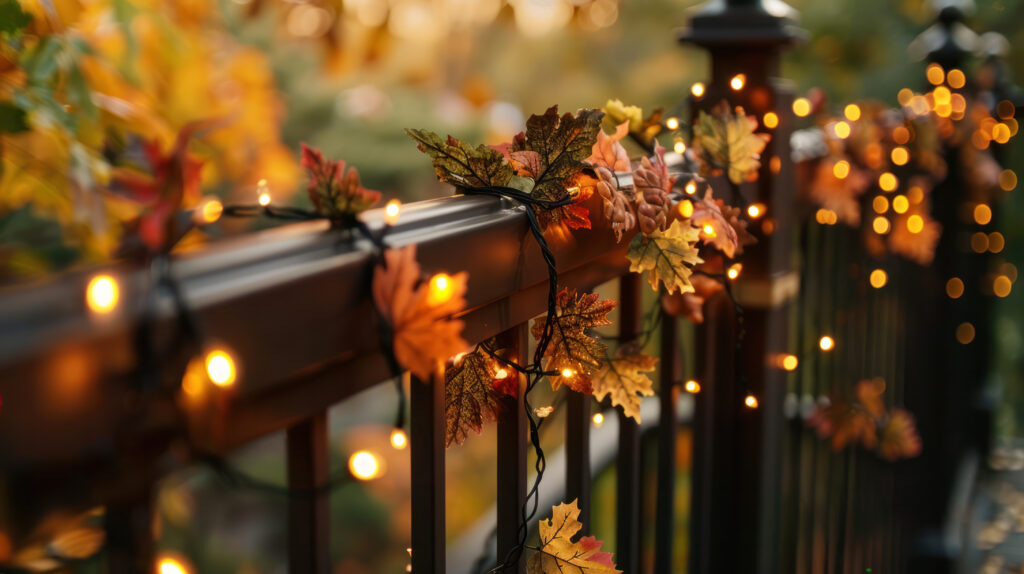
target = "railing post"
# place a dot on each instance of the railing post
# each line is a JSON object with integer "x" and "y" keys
{"x": 426, "y": 425}
{"x": 665, "y": 509}
{"x": 309, "y": 549}
{"x": 737, "y": 449}
{"x": 513, "y": 429}
{"x": 577, "y": 450}
{"x": 629, "y": 462}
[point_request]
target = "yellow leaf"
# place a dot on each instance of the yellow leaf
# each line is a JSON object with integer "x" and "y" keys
{"x": 669, "y": 256}
{"x": 725, "y": 140}
{"x": 558, "y": 554}
{"x": 624, "y": 380}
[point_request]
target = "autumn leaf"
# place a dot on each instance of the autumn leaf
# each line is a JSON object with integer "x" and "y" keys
{"x": 653, "y": 185}
{"x": 558, "y": 554}
{"x": 669, "y": 256}
{"x": 624, "y": 380}
{"x": 460, "y": 164}
{"x": 915, "y": 235}
{"x": 619, "y": 113}
{"x": 618, "y": 203}
{"x": 899, "y": 437}
{"x": 470, "y": 397}
{"x": 691, "y": 305}
{"x": 734, "y": 215}
{"x": 725, "y": 140}
{"x": 425, "y": 335}
{"x": 608, "y": 152}
{"x": 334, "y": 191}
{"x": 714, "y": 227}
{"x": 840, "y": 195}
{"x": 570, "y": 346}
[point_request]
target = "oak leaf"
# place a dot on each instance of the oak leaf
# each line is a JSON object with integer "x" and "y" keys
{"x": 470, "y": 399}
{"x": 725, "y": 140}
{"x": 459, "y": 163}
{"x": 334, "y": 191}
{"x": 714, "y": 227}
{"x": 668, "y": 255}
{"x": 570, "y": 347}
{"x": 558, "y": 554}
{"x": 424, "y": 334}
{"x": 618, "y": 203}
{"x": 623, "y": 379}
{"x": 653, "y": 185}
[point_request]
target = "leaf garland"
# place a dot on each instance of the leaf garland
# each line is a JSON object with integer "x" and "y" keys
{"x": 471, "y": 398}
{"x": 668, "y": 255}
{"x": 653, "y": 185}
{"x": 571, "y": 351}
{"x": 335, "y": 192}
{"x": 623, "y": 379}
{"x": 460, "y": 164}
{"x": 726, "y": 140}
{"x": 559, "y": 554}
{"x": 714, "y": 227}
{"x": 618, "y": 204}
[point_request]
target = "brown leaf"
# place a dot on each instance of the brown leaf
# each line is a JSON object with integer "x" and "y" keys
{"x": 899, "y": 437}
{"x": 653, "y": 184}
{"x": 470, "y": 397}
{"x": 618, "y": 204}
{"x": 714, "y": 228}
{"x": 334, "y": 191}
{"x": 425, "y": 335}
{"x": 458, "y": 163}
{"x": 608, "y": 152}
{"x": 570, "y": 346}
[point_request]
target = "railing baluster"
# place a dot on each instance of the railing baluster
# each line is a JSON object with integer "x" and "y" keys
{"x": 426, "y": 424}
{"x": 577, "y": 448}
{"x": 664, "y": 526}
{"x": 513, "y": 429}
{"x": 627, "y": 468}
{"x": 308, "y": 515}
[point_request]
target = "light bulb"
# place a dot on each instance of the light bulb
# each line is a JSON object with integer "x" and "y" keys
{"x": 364, "y": 465}
{"x": 737, "y": 82}
{"x": 220, "y": 367}
{"x": 399, "y": 439}
{"x": 102, "y": 294}
{"x": 391, "y": 211}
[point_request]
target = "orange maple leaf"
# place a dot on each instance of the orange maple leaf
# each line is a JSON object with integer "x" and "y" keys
{"x": 571, "y": 350}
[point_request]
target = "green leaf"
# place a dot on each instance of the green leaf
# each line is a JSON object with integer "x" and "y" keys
{"x": 669, "y": 256}
{"x": 12, "y": 119}
{"x": 42, "y": 63}
{"x": 12, "y": 17}
{"x": 458, "y": 163}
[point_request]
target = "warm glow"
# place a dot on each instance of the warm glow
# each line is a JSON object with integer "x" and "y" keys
{"x": 825, "y": 217}
{"x": 965, "y": 333}
{"x": 501, "y": 373}
{"x": 979, "y": 242}
{"x": 1005, "y": 110}
{"x": 915, "y": 194}
{"x": 697, "y": 90}
{"x": 880, "y": 204}
{"x": 900, "y": 204}
{"x": 209, "y": 211}
{"x": 887, "y": 181}
{"x": 901, "y": 135}
{"x": 841, "y": 169}
{"x": 1002, "y": 286}
{"x": 262, "y": 193}
{"x": 598, "y": 419}
{"x": 171, "y": 566}
{"x": 734, "y": 270}
{"x": 771, "y": 120}
{"x": 943, "y": 97}
{"x": 756, "y": 210}
{"x": 790, "y": 362}
{"x": 440, "y": 289}
{"x": 399, "y": 440}
{"x": 915, "y": 224}
{"x": 900, "y": 155}
{"x": 391, "y": 211}
{"x": 852, "y": 112}
{"x": 996, "y": 242}
{"x": 686, "y": 208}
{"x": 880, "y": 225}
{"x": 672, "y": 123}
{"x": 363, "y": 465}
{"x": 826, "y": 343}
{"x": 750, "y": 401}
{"x": 692, "y": 387}
{"x": 102, "y": 294}
{"x": 691, "y": 187}
{"x": 904, "y": 96}
{"x": 737, "y": 82}
{"x": 878, "y": 278}
{"x": 709, "y": 230}
{"x": 982, "y": 214}
{"x": 1007, "y": 180}
{"x": 935, "y": 74}
{"x": 568, "y": 373}
{"x": 679, "y": 147}
{"x": 842, "y": 130}
{"x": 220, "y": 367}
{"x": 801, "y": 107}
{"x": 954, "y": 288}
{"x": 956, "y": 79}
{"x": 1001, "y": 133}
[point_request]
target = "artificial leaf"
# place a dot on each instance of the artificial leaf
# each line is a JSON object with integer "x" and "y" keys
{"x": 608, "y": 152}
{"x": 653, "y": 185}
{"x": 559, "y": 554}
{"x": 869, "y": 393}
{"x": 734, "y": 215}
{"x": 618, "y": 203}
{"x": 570, "y": 347}
{"x": 470, "y": 398}
{"x": 624, "y": 380}
{"x": 714, "y": 227}
{"x": 691, "y": 305}
{"x": 619, "y": 113}
{"x": 840, "y": 195}
{"x": 425, "y": 335}
{"x": 335, "y": 192}
{"x": 725, "y": 140}
{"x": 458, "y": 163}
{"x": 669, "y": 256}
{"x": 899, "y": 437}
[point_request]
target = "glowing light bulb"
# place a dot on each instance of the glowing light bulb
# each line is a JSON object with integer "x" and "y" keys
{"x": 842, "y": 130}
{"x": 802, "y": 107}
{"x": 887, "y": 181}
{"x": 363, "y": 465}
{"x": 568, "y": 373}
{"x": 880, "y": 204}
{"x": 209, "y": 211}
{"x": 915, "y": 224}
{"x": 102, "y": 294}
{"x": 965, "y": 333}
{"x": 826, "y": 343}
{"x": 790, "y": 362}
{"x": 771, "y": 120}
{"x": 954, "y": 288}
{"x": 982, "y": 214}
{"x": 852, "y": 112}
{"x": 399, "y": 439}
{"x": 263, "y": 193}
{"x": 391, "y": 211}
{"x": 1002, "y": 286}
{"x": 900, "y": 155}
{"x": 501, "y": 373}
{"x": 679, "y": 147}
{"x": 841, "y": 169}
{"x": 167, "y": 565}
{"x": 692, "y": 387}
{"x": 220, "y": 367}
{"x": 598, "y": 419}
{"x": 935, "y": 74}
{"x": 697, "y": 90}
{"x": 686, "y": 208}
{"x": 956, "y": 79}
{"x": 734, "y": 270}
{"x": 880, "y": 225}
{"x": 738, "y": 81}
{"x": 756, "y": 210}
{"x": 691, "y": 187}
{"x": 708, "y": 230}
{"x": 750, "y": 401}
{"x": 900, "y": 204}
{"x": 440, "y": 289}
{"x": 672, "y": 123}
{"x": 878, "y": 278}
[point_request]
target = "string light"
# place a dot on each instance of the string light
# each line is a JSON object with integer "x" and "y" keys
{"x": 220, "y": 368}
{"x": 209, "y": 211}
{"x": 771, "y": 120}
{"x": 935, "y": 74}
{"x": 734, "y": 270}
{"x": 1005, "y": 110}
{"x": 756, "y": 210}
{"x": 878, "y": 278}
{"x": 826, "y": 343}
{"x": 679, "y": 147}
{"x": 501, "y": 373}
{"x": 900, "y": 155}
{"x": 363, "y": 465}
{"x": 852, "y": 112}
{"x": 399, "y": 439}
{"x": 168, "y": 565}
{"x": 841, "y": 169}
{"x": 440, "y": 289}
{"x": 901, "y": 135}
{"x": 900, "y": 204}
{"x": 691, "y": 187}
{"x": 1002, "y": 286}
{"x": 880, "y": 225}
{"x": 887, "y": 181}
{"x": 750, "y": 401}
{"x": 708, "y": 230}
{"x": 915, "y": 223}
{"x": 672, "y": 123}
{"x": 686, "y": 208}
{"x": 956, "y": 79}
{"x": 996, "y": 242}
{"x": 102, "y": 294}
{"x": 697, "y": 90}
{"x": 904, "y": 96}
{"x": 802, "y": 107}
{"x": 965, "y": 333}
{"x": 598, "y": 420}
{"x": 880, "y": 204}
{"x": 789, "y": 362}
{"x": 982, "y": 214}
{"x": 262, "y": 193}
{"x": 1007, "y": 180}
{"x": 392, "y": 211}
{"x": 692, "y": 387}
{"x": 954, "y": 288}
{"x": 568, "y": 373}
{"x": 842, "y": 130}
{"x": 737, "y": 82}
